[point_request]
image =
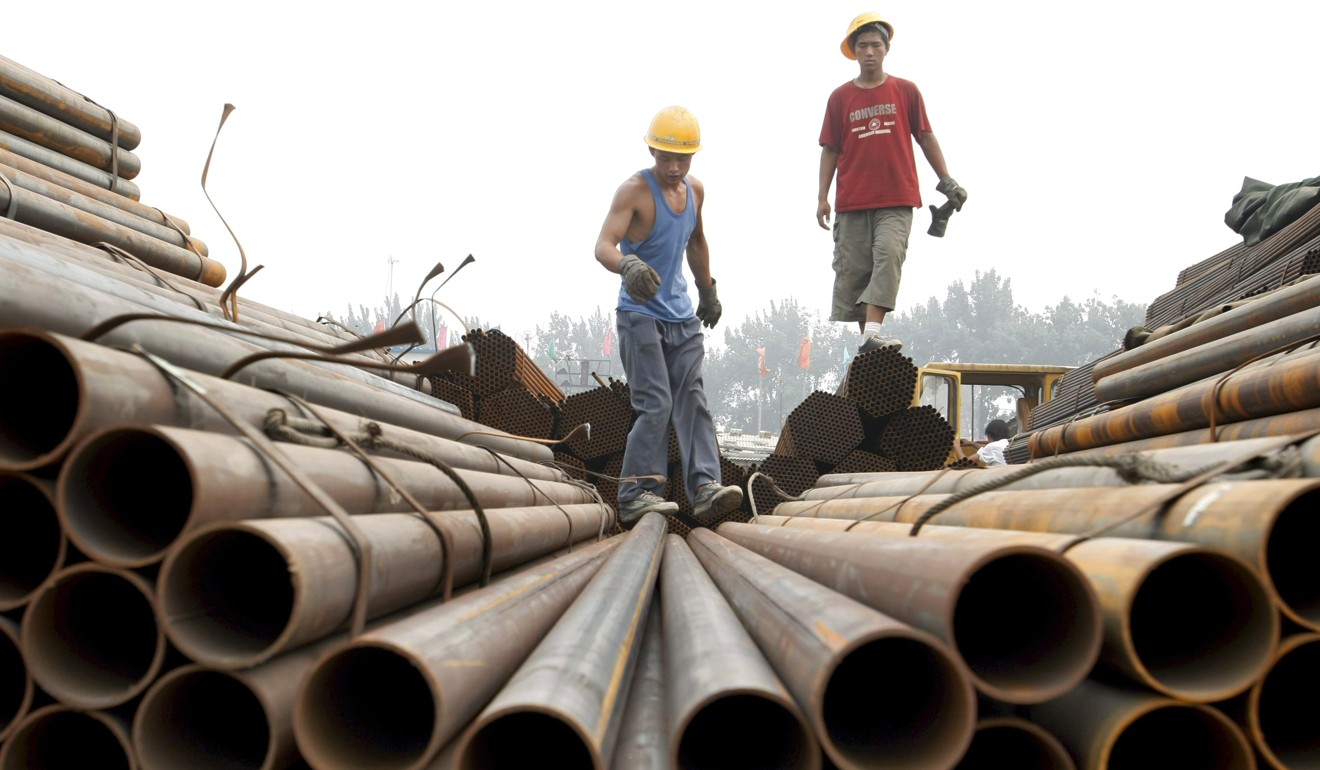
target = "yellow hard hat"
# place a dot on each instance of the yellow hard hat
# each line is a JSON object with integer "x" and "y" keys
{"x": 674, "y": 129}
{"x": 861, "y": 21}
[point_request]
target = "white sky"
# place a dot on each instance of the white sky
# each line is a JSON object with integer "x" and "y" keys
{"x": 1101, "y": 143}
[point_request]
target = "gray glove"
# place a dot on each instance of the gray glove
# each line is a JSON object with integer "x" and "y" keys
{"x": 640, "y": 279}
{"x": 708, "y": 305}
{"x": 953, "y": 191}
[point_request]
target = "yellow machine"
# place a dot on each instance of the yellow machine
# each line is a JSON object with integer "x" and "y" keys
{"x": 954, "y": 389}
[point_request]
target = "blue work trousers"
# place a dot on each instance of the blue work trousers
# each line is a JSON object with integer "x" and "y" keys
{"x": 662, "y": 360}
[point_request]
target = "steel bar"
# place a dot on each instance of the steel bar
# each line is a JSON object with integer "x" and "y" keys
{"x": 1279, "y": 712}
{"x": 63, "y": 163}
{"x": 64, "y": 104}
{"x": 1268, "y": 524}
{"x": 566, "y": 700}
{"x": 1024, "y": 620}
{"x": 1013, "y": 742}
{"x": 16, "y": 689}
{"x": 125, "y": 495}
{"x": 212, "y": 351}
{"x": 395, "y": 695}
{"x": 877, "y": 692}
{"x": 91, "y": 637}
{"x": 99, "y": 193}
{"x": 1106, "y": 727}
{"x": 727, "y": 708}
{"x": 33, "y": 547}
{"x": 643, "y": 741}
{"x": 233, "y": 595}
{"x": 59, "y": 736}
{"x": 24, "y": 122}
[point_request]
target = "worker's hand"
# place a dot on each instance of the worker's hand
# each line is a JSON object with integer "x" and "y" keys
{"x": 640, "y": 279}
{"x": 953, "y": 191}
{"x": 708, "y": 305}
{"x": 823, "y": 215}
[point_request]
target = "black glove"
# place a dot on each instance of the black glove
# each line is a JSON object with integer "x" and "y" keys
{"x": 640, "y": 279}
{"x": 708, "y": 305}
{"x": 953, "y": 191}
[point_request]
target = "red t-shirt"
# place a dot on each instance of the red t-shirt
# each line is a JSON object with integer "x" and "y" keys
{"x": 870, "y": 127}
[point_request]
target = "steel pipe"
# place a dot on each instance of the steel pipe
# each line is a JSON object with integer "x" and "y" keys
{"x": 63, "y": 163}
{"x": 65, "y": 104}
{"x": 1279, "y": 711}
{"x": 16, "y": 690}
{"x": 91, "y": 638}
{"x": 1225, "y": 439}
{"x": 1013, "y": 742}
{"x": 1106, "y": 727}
{"x": 566, "y": 700}
{"x": 877, "y": 692}
{"x": 644, "y": 732}
{"x": 233, "y": 595}
{"x": 23, "y": 121}
{"x": 59, "y": 736}
{"x": 33, "y": 547}
{"x": 1268, "y": 524}
{"x": 83, "y": 187}
{"x": 726, "y": 706}
{"x": 395, "y": 695}
{"x": 1024, "y": 619}
{"x": 125, "y": 495}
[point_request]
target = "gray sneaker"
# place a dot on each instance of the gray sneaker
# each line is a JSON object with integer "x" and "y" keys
{"x": 875, "y": 342}
{"x": 632, "y": 511}
{"x": 715, "y": 500}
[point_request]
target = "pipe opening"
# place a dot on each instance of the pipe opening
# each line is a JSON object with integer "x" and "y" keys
{"x": 1028, "y": 627}
{"x": 1290, "y": 560}
{"x": 66, "y": 739}
{"x": 526, "y": 739}
{"x": 1289, "y": 707}
{"x": 898, "y": 702}
{"x": 1179, "y": 735}
{"x": 91, "y": 639}
{"x": 126, "y": 497}
{"x": 33, "y": 546}
{"x": 367, "y": 707}
{"x": 745, "y": 730}
{"x": 33, "y": 372}
{"x": 178, "y": 726}
{"x": 15, "y": 685}
{"x": 227, "y": 594}
{"x": 1014, "y": 746}
{"x": 1202, "y": 626}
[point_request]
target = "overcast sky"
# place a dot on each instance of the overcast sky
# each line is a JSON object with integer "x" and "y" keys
{"x": 1100, "y": 143}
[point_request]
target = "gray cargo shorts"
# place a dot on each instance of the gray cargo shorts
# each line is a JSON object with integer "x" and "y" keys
{"x": 869, "y": 249}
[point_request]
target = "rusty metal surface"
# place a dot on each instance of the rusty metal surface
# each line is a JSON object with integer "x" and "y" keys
{"x": 1013, "y": 742}
{"x": 63, "y": 163}
{"x": 726, "y": 706}
{"x": 58, "y": 736}
{"x": 24, "y": 122}
{"x": 643, "y": 742}
{"x": 875, "y": 690}
{"x": 824, "y": 428}
{"x": 1279, "y": 712}
{"x": 95, "y": 192}
{"x": 1024, "y": 619}
{"x": 33, "y": 547}
{"x": 65, "y": 104}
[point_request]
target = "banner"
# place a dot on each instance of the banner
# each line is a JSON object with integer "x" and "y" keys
{"x": 804, "y": 354}
{"x": 608, "y": 348}
{"x": 760, "y": 361}
{"x": 442, "y": 337}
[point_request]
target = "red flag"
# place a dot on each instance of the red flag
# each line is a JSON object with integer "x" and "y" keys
{"x": 760, "y": 361}
{"x": 380, "y": 326}
{"x": 608, "y": 348}
{"x": 442, "y": 337}
{"x": 804, "y": 354}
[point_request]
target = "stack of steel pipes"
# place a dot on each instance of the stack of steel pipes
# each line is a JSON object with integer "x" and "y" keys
{"x": 65, "y": 166}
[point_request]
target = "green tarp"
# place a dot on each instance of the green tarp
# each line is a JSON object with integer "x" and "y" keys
{"x": 1260, "y": 210}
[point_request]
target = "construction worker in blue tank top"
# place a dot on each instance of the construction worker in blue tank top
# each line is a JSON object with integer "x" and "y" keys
{"x": 654, "y": 219}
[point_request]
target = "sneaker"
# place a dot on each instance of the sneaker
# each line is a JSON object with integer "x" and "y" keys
{"x": 632, "y": 511}
{"x": 875, "y": 342}
{"x": 715, "y": 500}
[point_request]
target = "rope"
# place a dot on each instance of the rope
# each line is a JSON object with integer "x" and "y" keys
{"x": 751, "y": 494}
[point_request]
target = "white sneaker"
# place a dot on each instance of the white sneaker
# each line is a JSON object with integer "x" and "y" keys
{"x": 874, "y": 341}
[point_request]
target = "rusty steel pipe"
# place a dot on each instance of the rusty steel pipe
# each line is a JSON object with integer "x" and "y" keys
{"x": 86, "y": 387}
{"x": 1268, "y": 524}
{"x": 91, "y": 638}
{"x": 45, "y": 131}
{"x": 1013, "y": 742}
{"x": 33, "y": 547}
{"x": 643, "y": 741}
{"x": 1024, "y": 620}
{"x": 233, "y": 595}
{"x": 726, "y": 706}
{"x": 66, "y": 105}
{"x": 1209, "y": 358}
{"x": 1224, "y": 439}
{"x": 59, "y": 736}
{"x": 877, "y": 692}
{"x": 83, "y": 187}
{"x": 125, "y": 495}
{"x": 63, "y": 163}
{"x": 1285, "y": 384}
{"x": 210, "y": 351}
{"x": 395, "y": 695}
{"x": 1106, "y": 728}
{"x": 566, "y": 700}
{"x": 1279, "y": 712}
{"x": 16, "y": 690}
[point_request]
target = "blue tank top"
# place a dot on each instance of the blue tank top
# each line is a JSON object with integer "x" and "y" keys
{"x": 663, "y": 250}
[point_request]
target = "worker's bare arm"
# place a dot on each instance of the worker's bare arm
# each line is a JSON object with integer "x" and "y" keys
{"x": 625, "y": 210}
{"x": 930, "y": 147}
{"x": 698, "y": 250}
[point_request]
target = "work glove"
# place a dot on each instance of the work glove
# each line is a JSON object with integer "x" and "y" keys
{"x": 708, "y": 305}
{"x": 953, "y": 191}
{"x": 640, "y": 279}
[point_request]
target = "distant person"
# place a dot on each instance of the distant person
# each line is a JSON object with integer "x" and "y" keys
{"x": 865, "y": 137}
{"x": 654, "y": 219}
{"x": 996, "y": 434}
